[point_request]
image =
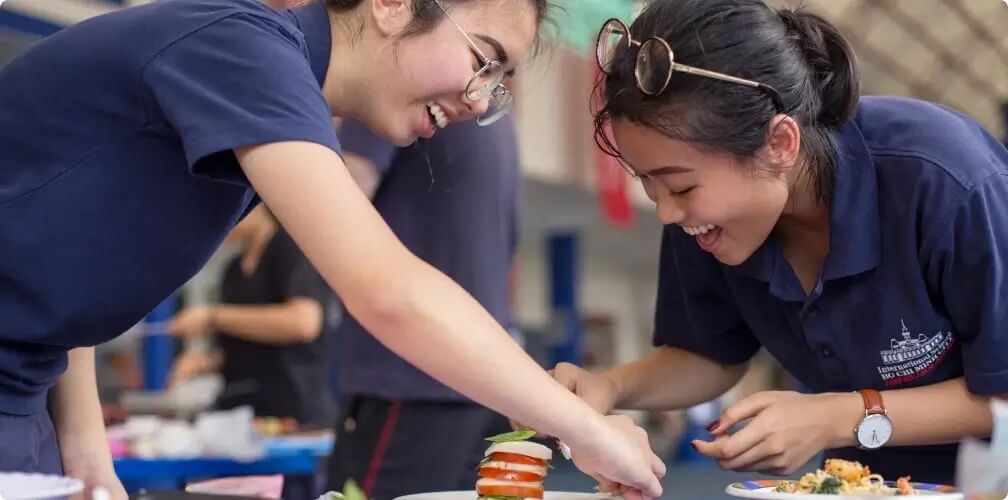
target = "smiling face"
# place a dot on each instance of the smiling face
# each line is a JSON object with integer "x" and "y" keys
{"x": 424, "y": 77}
{"x": 729, "y": 206}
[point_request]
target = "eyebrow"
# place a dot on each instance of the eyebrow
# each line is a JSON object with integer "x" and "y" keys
{"x": 502, "y": 56}
{"x": 669, "y": 169}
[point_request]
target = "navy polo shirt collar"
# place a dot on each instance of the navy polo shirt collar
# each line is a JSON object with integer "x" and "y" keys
{"x": 855, "y": 234}
{"x": 313, "y": 20}
{"x": 855, "y": 231}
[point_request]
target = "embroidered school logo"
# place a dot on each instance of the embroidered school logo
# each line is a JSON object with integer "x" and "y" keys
{"x": 911, "y": 358}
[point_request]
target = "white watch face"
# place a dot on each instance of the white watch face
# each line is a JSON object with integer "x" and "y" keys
{"x": 874, "y": 431}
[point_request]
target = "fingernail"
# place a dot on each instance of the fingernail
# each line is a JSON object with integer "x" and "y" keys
{"x": 713, "y": 425}
{"x": 695, "y": 447}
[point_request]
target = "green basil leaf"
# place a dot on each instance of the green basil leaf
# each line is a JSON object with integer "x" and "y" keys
{"x": 508, "y": 437}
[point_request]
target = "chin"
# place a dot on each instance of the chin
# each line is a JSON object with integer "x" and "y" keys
{"x": 730, "y": 260}
{"x": 405, "y": 139}
{"x": 732, "y": 256}
{"x": 400, "y": 138}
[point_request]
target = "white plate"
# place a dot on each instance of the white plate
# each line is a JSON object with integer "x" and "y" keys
{"x": 471, "y": 495}
{"x": 19, "y": 486}
{"x": 764, "y": 489}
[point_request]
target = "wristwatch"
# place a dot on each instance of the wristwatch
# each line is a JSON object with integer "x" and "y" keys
{"x": 875, "y": 428}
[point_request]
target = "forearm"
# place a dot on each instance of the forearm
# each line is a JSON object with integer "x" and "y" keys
{"x": 935, "y": 414}
{"x": 417, "y": 312}
{"x": 75, "y": 409}
{"x": 671, "y": 378}
{"x": 468, "y": 350}
{"x": 283, "y": 323}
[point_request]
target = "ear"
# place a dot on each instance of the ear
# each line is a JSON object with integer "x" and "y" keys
{"x": 783, "y": 143}
{"x": 391, "y": 16}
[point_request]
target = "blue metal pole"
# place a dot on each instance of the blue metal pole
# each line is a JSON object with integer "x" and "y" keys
{"x": 563, "y": 260}
{"x": 158, "y": 346}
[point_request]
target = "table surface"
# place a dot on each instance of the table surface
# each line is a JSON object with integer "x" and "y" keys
{"x": 291, "y": 455}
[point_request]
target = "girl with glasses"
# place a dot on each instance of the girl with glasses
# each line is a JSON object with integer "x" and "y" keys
{"x": 862, "y": 241}
{"x": 134, "y": 141}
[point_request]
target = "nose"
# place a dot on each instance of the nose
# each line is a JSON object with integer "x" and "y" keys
{"x": 669, "y": 212}
{"x": 477, "y": 108}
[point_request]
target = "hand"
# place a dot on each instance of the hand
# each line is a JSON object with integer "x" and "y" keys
{"x": 191, "y": 322}
{"x": 620, "y": 459}
{"x": 785, "y": 430}
{"x": 595, "y": 389}
{"x": 94, "y": 470}
{"x": 191, "y": 364}
{"x": 286, "y": 4}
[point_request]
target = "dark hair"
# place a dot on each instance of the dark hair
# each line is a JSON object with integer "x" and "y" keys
{"x": 800, "y": 54}
{"x": 427, "y": 14}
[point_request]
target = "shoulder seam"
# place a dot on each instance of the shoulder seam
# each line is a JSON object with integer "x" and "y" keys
{"x": 917, "y": 155}
{"x": 946, "y": 220}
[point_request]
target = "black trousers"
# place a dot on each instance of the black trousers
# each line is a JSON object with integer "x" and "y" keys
{"x": 395, "y": 448}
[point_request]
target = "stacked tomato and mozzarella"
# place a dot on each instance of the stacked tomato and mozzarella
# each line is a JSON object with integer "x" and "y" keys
{"x": 513, "y": 469}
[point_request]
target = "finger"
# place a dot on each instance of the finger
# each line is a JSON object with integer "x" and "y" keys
{"x": 286, "y": 4}
{"x": 566, "y": 374}
{"x": 744, "y": 409}
{"x": 711, "y": 449}
{"x": 742, "y": 441}
{"x": 759, "y": 452}
{"x": 652, "y": 488}
{"x": 606, "y": 486}
{"x": 658, "y": 466}
{"x": 629, "y": 493}
{"x": 769, "y": 465}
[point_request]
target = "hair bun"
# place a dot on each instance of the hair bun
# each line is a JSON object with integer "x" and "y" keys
{"x": 831, "y": 61}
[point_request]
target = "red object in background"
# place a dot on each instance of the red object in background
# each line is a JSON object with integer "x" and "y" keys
{"x": 613, "y": 197}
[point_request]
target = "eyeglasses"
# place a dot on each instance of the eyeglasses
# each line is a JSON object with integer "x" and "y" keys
{"x": 656, "y": 62}
{"x": 486, "y": 83}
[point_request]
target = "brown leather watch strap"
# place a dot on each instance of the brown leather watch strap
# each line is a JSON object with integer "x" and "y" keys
{"x": 872, "y": 402}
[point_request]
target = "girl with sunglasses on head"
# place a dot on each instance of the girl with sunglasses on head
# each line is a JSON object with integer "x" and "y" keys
{"x": 863, "y": 241}
{"x": 133, "y": 142}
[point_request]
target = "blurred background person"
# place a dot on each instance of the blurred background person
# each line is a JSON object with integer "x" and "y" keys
{"x": 272, "y": 328}
{"x": 454, "y": 201}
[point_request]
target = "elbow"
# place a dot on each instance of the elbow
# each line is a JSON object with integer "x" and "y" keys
{"x": 383, "y": 311}
{"x": 307, "y": 331}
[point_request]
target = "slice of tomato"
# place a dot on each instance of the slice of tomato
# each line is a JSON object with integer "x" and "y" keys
{"x": 516, "y": 458}
{"x": 509, "y": 475}
{"x": 510, "y": 491}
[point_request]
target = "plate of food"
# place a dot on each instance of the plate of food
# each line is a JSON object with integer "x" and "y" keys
{"x": 843, "y": 480}
{"x": 472, "y": 495}
{"x": 513, "y": 468}
{"x": 22, "y": 486}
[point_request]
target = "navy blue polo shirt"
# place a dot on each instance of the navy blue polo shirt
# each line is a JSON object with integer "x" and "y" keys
{"x": 453, "y": 201}
{"x": 913, "y": 291}
{"x": 117, "y": 176}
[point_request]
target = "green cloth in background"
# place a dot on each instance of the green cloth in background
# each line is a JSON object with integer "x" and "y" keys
{"x": 580, "y": 20}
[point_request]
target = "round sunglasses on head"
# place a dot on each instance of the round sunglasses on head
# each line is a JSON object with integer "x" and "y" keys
{"x": 655, "y": 62}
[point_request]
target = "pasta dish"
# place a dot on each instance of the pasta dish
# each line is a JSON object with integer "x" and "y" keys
{"x": 843, "y": 477}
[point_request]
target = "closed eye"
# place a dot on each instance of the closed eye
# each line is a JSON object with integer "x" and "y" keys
{"x": 682, "y": 193}
{"x": 478, "y": 65}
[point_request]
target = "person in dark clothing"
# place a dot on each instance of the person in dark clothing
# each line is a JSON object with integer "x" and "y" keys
{"x": 454, "y": 202}
{"x": 271, "y": 326}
